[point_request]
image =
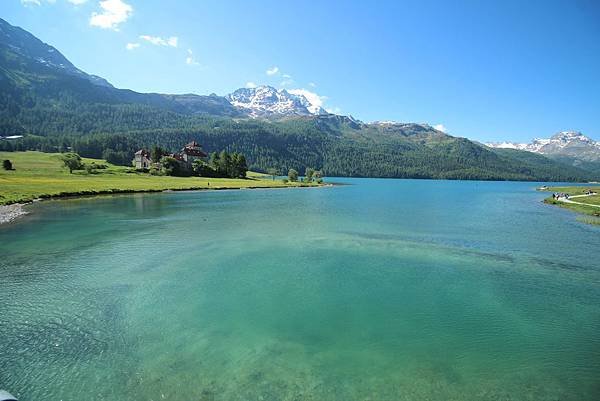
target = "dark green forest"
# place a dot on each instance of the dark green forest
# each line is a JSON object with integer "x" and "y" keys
{"x": 295, "y": 144}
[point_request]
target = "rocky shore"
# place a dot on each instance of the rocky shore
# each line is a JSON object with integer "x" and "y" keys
{"x": 9, "y": 213}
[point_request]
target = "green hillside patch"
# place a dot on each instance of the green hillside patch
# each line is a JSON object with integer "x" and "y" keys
{"x": 42, "y": 175}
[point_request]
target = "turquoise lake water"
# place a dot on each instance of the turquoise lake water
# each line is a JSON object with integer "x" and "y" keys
{"x": 379, "y": 290}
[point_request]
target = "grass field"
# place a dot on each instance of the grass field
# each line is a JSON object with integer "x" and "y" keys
{"x": 588, "y": 205}
{"x": 42, "y": 175}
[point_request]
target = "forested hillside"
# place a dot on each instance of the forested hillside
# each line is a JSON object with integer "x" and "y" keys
{"x": 58, "y": 108}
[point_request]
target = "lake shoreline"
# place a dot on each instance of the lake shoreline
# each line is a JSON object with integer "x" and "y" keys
{"x": 9, "y": 213}
{"x": 13, "y": 211}
{"x": 585, "y": 207}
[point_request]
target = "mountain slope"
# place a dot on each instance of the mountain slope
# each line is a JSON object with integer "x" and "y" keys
{"x": 21, "y": 47}
{"x": 56, "y": 106}
{"x": 569, "y": 147}
{"x": 36, "y": 74}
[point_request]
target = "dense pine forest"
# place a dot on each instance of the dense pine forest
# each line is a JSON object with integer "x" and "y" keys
{"x": 291, "y": 144}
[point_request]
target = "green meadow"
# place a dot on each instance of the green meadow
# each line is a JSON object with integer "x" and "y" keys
{"x": 587, "y": 205}
{"x": 42, "y": 175}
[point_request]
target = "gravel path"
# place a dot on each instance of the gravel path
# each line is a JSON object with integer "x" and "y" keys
{"x": 577, "y": 203}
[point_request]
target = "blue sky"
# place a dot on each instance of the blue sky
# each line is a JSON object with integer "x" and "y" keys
{"x": 490, "y": 71}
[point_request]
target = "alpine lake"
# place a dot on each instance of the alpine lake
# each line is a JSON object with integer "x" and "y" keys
{"x": 374, "y": 290}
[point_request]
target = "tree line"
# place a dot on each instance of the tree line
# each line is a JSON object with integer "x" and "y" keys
{"x": 114, "y": 132}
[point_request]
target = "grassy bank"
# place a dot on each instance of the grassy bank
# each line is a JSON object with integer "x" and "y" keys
{"x": 42, "y": 175}
{"x": 587, "y": 205}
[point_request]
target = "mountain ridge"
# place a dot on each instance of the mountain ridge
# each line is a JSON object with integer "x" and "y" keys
{"x": 58, "y": 108}
{"x": 570, "y": 147}
{"x": 30, "y": 47}
{"x": 266, "y": 101}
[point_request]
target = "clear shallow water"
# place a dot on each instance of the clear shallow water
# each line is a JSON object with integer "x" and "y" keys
{"x": 382, "y": 290}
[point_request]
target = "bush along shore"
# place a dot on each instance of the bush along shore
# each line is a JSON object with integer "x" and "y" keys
{"x": 36, "y": 175}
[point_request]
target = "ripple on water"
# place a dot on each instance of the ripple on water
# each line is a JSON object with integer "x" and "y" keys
{"x": 146, "y": 298}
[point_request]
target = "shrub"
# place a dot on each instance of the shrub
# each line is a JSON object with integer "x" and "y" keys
{"x": 155, "y": 171}
{"x": 273, "y": 172}
{"x": 203, "y": 169}
{"x": 72, "y": 161}
{"x": 7, "y": 164}
{"x": 93, "y": 167}
{"x": 293, "y": 175}
{"x": 169, "y": 165}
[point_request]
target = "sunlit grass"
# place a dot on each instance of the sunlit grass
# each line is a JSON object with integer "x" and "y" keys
{"x": 41, "y": 175}
{"x": 590, "y": 206}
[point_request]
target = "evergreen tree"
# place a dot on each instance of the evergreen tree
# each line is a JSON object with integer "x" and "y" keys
{"x": 225, "y": 165}
{"x": 239, "y": 165}
{"x": 308, "y": 174}
{"x": 214, "y": 161}
{"x": 156, "y": 153}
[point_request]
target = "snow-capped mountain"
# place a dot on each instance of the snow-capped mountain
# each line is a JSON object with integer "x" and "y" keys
{"x": 266, "y": 101}
{"x": 563, "y": 144}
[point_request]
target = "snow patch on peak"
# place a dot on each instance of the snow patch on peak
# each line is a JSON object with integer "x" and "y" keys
{"x": 569, "y": 143}
{"x": 264, "y": 101}
{"x": 507, "y": 145}
{"x": 385, "y": 122}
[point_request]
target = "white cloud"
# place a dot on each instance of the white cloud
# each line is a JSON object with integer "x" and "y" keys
{"x": 313, "y": 98}
{"x": 334, "y": 110}
{"x": 190, "y": 58}
{"x": 251, "y": 85}
{"x": 172, "y": 41}
{"x": 440, "y": 127}
{"x": 39, "y": 2}
{"x": 131, "y": 46}
{"x": 286, "y": 82}
{"x": 272, "y": 71}
{"x": 287, "y": 76}
{"x": 114, "y": 13}
{"x": 36, "y": 2}
{"x": 312, "y": 84}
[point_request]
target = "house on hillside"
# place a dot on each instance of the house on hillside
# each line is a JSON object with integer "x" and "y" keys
{"x": 142, "y": 161}
{"x": 190, "y": 153}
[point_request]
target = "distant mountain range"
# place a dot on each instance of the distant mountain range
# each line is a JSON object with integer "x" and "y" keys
{"x": 56, "y": 106}
{"x": 569, "y": 147}
{"x": 262, "y": 101}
